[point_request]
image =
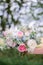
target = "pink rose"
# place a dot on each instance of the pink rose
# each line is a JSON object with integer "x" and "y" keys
{"x": 20, "y": 34}
{"x": 22, "y": 48}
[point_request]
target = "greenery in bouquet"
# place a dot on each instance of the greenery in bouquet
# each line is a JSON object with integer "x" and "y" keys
{"x": 34, "y": 36}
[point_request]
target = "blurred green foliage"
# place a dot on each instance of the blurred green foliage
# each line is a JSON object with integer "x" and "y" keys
{"x": 13, "y": 57}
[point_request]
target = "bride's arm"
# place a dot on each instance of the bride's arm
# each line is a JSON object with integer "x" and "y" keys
{"x": 38, "y": 49}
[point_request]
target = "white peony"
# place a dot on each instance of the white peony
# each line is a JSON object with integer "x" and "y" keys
{"x": 32, "y": 45}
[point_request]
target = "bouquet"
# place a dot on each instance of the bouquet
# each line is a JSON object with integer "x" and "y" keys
{"x": 18, "y": 39}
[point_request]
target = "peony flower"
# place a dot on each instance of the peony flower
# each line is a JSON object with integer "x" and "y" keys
{"x": 31, "y": 44}
{"x": 22, "y": 48}
{"x": 20, "y": 34}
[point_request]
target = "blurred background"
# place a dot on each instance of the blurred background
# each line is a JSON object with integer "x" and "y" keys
{"x": 20, "y": 12}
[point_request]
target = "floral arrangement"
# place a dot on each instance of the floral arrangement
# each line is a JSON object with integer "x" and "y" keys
{"x": 18, "y": 39}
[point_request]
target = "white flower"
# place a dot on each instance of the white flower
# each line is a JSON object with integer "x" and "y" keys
{"x": 31, "y": 44}
{"x": 9, "y": 42}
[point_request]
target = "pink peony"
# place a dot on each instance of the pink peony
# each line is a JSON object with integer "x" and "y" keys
{"x": 22, "y": 48}
{"x": 20, "y": 34}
